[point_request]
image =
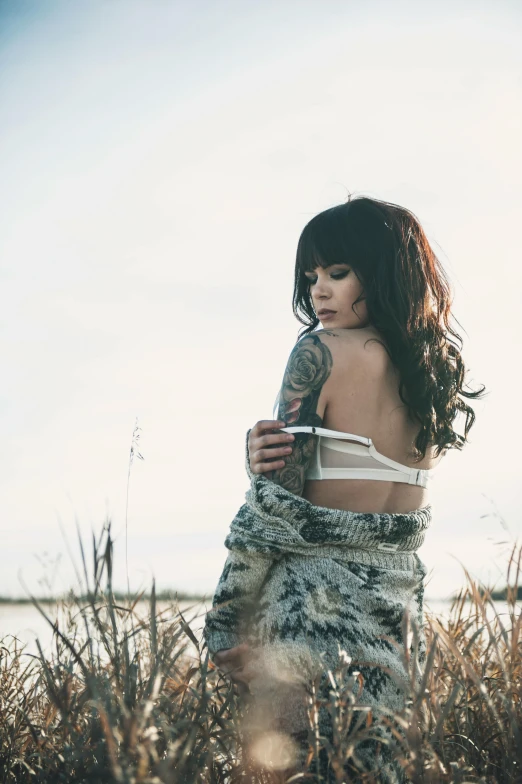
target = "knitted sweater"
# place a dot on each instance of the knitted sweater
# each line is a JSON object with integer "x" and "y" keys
{"x": 302, "y": 583}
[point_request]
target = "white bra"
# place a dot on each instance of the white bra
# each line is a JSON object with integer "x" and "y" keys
{"x": 335, "y": 460}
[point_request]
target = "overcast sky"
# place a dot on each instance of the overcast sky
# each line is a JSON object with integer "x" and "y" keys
{"x": 159, "y": 161}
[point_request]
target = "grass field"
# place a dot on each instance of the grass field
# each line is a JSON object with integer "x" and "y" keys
{"x": 123, "y": 697}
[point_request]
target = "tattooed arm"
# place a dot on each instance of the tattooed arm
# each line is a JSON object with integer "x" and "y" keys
{"x": 302, "y": 402}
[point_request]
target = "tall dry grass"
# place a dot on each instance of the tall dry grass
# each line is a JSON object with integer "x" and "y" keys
{"x": 124, "y": 698}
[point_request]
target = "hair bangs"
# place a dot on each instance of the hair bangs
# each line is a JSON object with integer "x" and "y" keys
{"x": 325, "y": 241}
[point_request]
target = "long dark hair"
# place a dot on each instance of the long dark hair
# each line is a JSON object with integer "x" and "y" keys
{"x": 408, "y": 299}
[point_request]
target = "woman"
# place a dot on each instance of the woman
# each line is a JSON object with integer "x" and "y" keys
{"x": 365, "y": 414}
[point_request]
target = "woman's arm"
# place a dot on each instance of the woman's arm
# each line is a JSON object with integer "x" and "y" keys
{"x": 302, "y": 401}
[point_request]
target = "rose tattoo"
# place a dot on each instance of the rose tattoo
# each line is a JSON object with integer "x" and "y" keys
{"x": 308, "y": 368}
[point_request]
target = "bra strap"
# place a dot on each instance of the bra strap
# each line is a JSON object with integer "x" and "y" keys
{"x": 323, "y": 431}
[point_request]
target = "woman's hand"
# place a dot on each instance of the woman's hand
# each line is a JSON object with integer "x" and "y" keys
{"x": 235, "y": 663}
{"x": 266, "y": 448}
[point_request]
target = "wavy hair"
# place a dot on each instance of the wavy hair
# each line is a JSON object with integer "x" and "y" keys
{"x": 408, "y": 299}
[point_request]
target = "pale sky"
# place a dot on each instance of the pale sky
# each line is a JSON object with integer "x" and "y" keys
{"x": 159, "y": 161}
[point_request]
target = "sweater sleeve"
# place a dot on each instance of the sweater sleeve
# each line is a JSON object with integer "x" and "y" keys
{"x": 234, "y": 601}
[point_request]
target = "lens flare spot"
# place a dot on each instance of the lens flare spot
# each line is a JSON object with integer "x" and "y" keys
{"x": 274, "y": 750}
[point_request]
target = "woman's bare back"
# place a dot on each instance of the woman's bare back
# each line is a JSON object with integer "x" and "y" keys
{"x": 362, "y": 397}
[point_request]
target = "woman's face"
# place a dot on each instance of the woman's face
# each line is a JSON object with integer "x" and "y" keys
{"x": 334, "y": 290}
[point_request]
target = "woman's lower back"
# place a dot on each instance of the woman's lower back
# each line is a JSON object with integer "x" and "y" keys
{"x": 365, "y": 495}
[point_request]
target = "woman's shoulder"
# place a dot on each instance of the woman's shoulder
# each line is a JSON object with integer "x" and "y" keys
{"x": 357, "y": 345}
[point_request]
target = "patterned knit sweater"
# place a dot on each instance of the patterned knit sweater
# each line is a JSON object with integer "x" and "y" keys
{"x": 302, "y": 583}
